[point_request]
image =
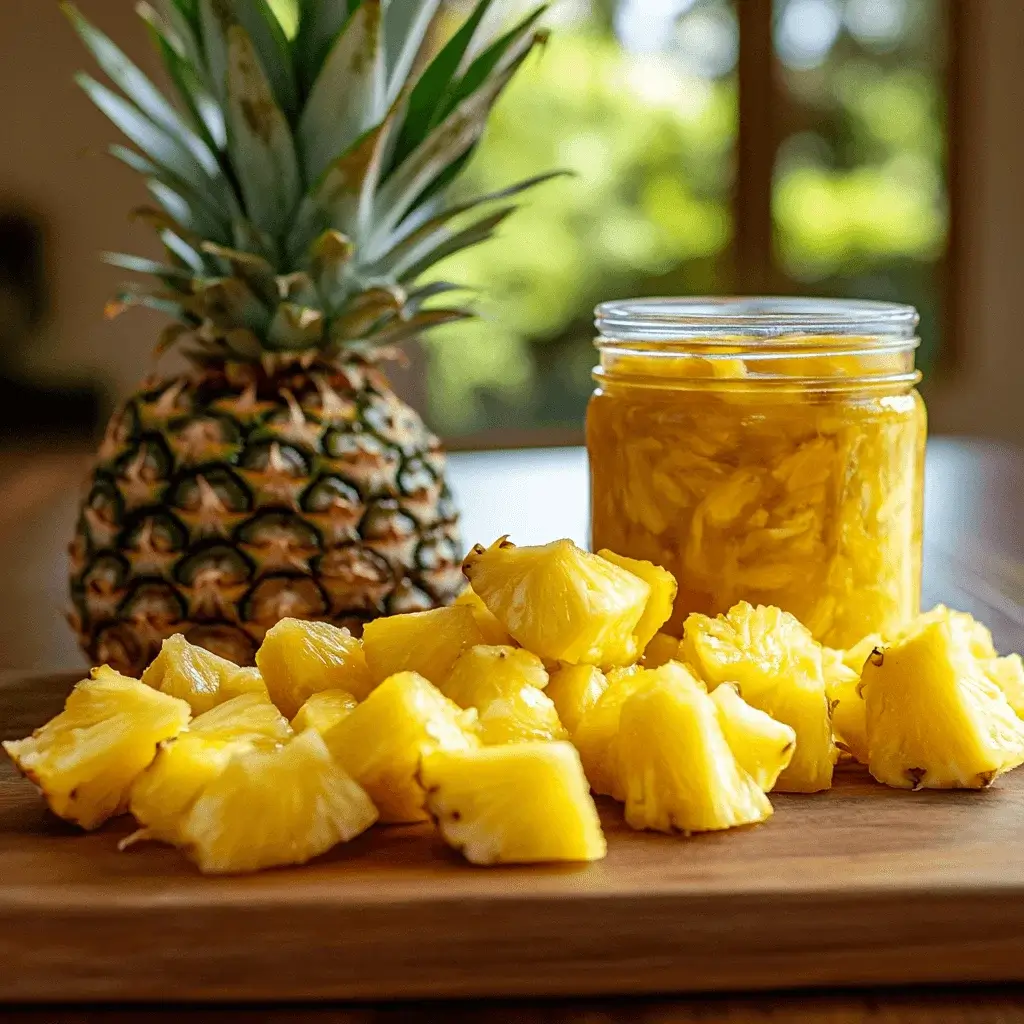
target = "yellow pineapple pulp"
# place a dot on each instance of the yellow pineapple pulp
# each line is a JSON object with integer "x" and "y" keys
{"x": 505, "y": 685}
{"x": 842, "y": 687}
{"x": 199, "y": 676}
{"x": 661, "y": 649}
{"x": 324, "y": 710}
{"x": 663, "y": 594}
{"x": 274, "y": 807}
{"x": 935, "y": 720}
{"x": 575, "y": 689}
{"x": 86, "y": 758}
{"x": 493, "y": 632}
{"x": 676, "y": 770}
{"x": 426, "y": 643}
{"x": 762, "y": 747}
{"x": 380, "y": 744}
{"x": 560, "y": 602}
{"x": 517, "y": 803}
{"x": 1008, "y": 674}
{"x": 300, "y": 658}
{"x": 779, "y": 668}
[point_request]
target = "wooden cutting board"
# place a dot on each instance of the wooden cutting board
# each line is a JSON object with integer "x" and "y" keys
{"x": 860, "y": 885}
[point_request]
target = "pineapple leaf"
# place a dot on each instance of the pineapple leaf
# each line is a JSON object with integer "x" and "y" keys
{"x": 347, "y": 96}
{"x": 454, "y": 242}
{"x": 229, "y": 302}
{"x": 142, "y": 265}
{"x": 406, "y": 29}
{"x": 320, "y": 24}
{"x": 189, "y": 214}
{"x": 184, "y": 251}
{"x": 259, "y": 140}
{"x": 169, "y": 337}
{"x": 180, "y": 30}
{"x": 417, "y": 324}
{"x": 329, "y": 259}
{"x": 255, "y": 271}
{"x": 295, "y": 327}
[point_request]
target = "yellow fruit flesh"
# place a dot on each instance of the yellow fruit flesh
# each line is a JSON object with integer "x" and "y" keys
{"x": 762, "y": 747}
{"x": 1008, "y": 674}
{"x": 934, "y": 718}
{"x": 560, "y": 602}
{"x": 299, "y": 658}
{"x": 86, "y": 759}
{"x": 493, "y": 632}
{"x": 842, "y": 686}
{"x": 380, "y": 744}
{"x": 505, "y": 684}
{"x": 663, "y": 594}
{"x": 575, "y": 689}
{"x": 276, "y": 807}
{"x": 423, "y": 642}
{"x": 519, "y": 803}
{"x": 661, "y": 650}
{"x": 324, "y": 710}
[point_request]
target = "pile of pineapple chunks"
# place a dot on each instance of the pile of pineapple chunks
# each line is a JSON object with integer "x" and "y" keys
{"x": 497, "y": 718}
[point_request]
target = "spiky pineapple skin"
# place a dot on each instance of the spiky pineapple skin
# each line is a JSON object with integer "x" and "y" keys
{"x": 224, "y": 500}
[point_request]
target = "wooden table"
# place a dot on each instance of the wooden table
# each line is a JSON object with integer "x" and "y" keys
{"x": 974, "y": 560}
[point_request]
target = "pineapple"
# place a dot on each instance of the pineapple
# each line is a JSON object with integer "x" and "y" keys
{"x": 1008, "y": 674}
{"x": 935, "y": 720}
{"x": 381, "y": 742}
{"x": 842, "y": 687}
{"x": 663, "y": 594}
{"x": 324, "y": 710}
{"x": 661, "y": 649}
{"x": 779, "y": 668}
{"x": 300, "y": 197}
{"x": 198, "y": 676}
{"x": 762, "y": 747}
{"x": 424, "y": 642}
{"x": 574, "y": 690}
{"x": 299, "y": 658}
{"x": 506, "y": 686}
{"x": 562, "y": 603}
{"x": 86, "y": 759}
{"x": 275, "y": 807}
{"x": 491, "y": 629}
{"x": 519, "y": 803}
{"x": 675, "y": 768}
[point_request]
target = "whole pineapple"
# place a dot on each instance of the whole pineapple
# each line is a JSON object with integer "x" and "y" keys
{"x": 299, "y": 179}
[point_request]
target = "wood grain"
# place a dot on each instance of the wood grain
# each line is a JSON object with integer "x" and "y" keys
{"x": 858, "y": 886}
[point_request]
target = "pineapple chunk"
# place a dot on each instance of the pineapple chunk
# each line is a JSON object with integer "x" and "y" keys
{"x": 426, "y": 643}
{"x": 855, "y": 656}
{"x": 575, "y": 689}
{"x": 299, "y": 658}
{"x": 381, "y": 742}
{"x": 560, "y": 602}
{"x": 779, "y": 669}
{"x": 491, "y": 629}
{"x": 934, "y": 718}
{"x": 163, "y": 793}
{"x": 676, "y": 769}
{"x": 842, "y": 686}
{"x": 86, "y": 759}
{"x": 661, "y": 650}
{"x": 664, "y": 588}
{"x": 324, "y": 710}
{"x": 274, "y": 807}
{"x": 1008, "y": 674}
{"x": 519, "y": 803}
{"x": 505, "y": 685}
{"x": 199, "y": 676}
{"x": 762, "y": 747}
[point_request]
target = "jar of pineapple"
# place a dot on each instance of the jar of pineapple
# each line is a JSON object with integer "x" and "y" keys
{"x": 768, "y": 450}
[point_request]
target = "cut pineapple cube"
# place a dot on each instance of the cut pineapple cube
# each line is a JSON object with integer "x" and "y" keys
{"x": 505, "y": 685}
{"x": 518, "y": 803}
{"x": 935, "y": 720}
{"x": 381, "y": 742}
{"x": 199, "y": 676}
{"x": 493, "y": 632}
{"x": 274, "y": 807}
{"x": 779, "y": 668}
{"x": 560, "y": 602}
{"x": 676, "y": 769}
{"x": 86, "y": 759}
{"x": 664, "y": 588}
{"x": 426, "y": 643}
{"x": 661, "y": 650}
{"x": 324, "y": 710}
{"x": 762, "y": 747}
{"x": 575, "y": 689}
{"x": 299, "y": 658}
{"x": 842, "y": 687}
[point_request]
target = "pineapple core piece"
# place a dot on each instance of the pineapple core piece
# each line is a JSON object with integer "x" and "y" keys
{"x": 426, "y": 643}
{"x": 324, "y": 710}
{"x": 762, "y": 747}
{"x": 676, "y": 768}
{"x": 493, "y": 632}
{"x": 199, "y": 676}
{"x": 842, "y": 685}
{"x": 274, "y": 807}
{"x": 935, "y": 720}
{"x": 381, "y": 742}
{"x": 779, "y": 669}
{"x": 86, "y": 759}
{"x": 560, "y": 602}
{"x": 300, "y": 658}
{"x": 663, "y": 594}
{"x": 505, "y": 685}
{"x": 163, "y": 793}
{"x": 575, "y": 689}
{"x": 661, "y": 650}
{"x": 518, "y": 803}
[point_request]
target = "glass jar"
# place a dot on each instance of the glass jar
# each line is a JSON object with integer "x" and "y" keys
{"x": 767, "y": 450}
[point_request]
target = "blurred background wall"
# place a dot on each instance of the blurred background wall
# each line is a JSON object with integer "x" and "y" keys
{"x": 846, "y": 147}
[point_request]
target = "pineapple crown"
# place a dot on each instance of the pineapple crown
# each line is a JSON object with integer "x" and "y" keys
{"x": 300, "y": 178}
